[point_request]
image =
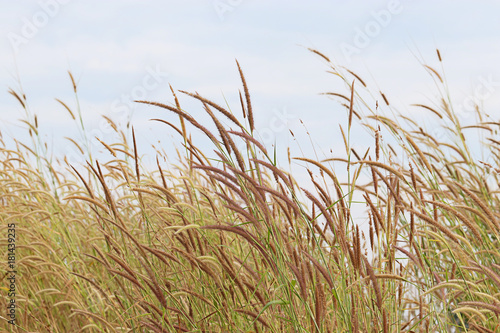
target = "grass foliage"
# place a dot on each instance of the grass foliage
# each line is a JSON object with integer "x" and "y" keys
{"x": 232, "y": 243}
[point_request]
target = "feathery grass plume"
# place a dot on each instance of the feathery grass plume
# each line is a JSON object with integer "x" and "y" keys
{"x": 481, "y": 329}
{"x": 247, "y": 98}
{"x": 251, "y": 139}
{"x": 372, "y": 241}
{"x": 351, "y": 104}
{"x": 253, "y": 315}
{"x": 384, "y": 98}
{"x": 320, "y": 304}
{"x": 354, "y": 315}
{"x": 468, "y": 223}
{"x": 320, "y": 54}
{"x": 481, "y": 204}
{"x": 419, "y": 152}
{"x": 432, "y": 70}
{"x": 183, "y": 115}
{"x": 495, "y": 308}
{"x": 336, "y": 94}
{"x": 320, "y": 166}
{"x": 375, "y": 283}
{"x": 375, "y": 213}
{"x": 222, "y": 132}
{"x": 439, "y": 55}
{"x": 66, "y": 107}
{"x": 243, "y": 109}
{"x": 320, "y": 268}
{"x": 430, "y": 109}
{"x": 16, "y": 96}
{"x": 330, "y": 222}
{"x": 356, "y": 76}
{"x": 434, "y": 223}
{"x": 178, "y": 106}
{"x": 252, "y": 240}
{"x": 72, "y": 81}
{"x": 219, "y": 108}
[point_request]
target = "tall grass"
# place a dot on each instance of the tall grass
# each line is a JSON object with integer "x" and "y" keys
{"x": 235, "y": 244}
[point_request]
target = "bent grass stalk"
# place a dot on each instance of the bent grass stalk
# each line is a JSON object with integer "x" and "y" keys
{"x": 239, "y": 245}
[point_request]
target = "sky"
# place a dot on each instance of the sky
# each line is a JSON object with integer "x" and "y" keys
{"x": 118, "y": 51}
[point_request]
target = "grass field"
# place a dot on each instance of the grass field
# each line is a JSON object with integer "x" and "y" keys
{"x": 227, "y": 241}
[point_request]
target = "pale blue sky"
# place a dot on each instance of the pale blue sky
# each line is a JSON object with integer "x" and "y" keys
{"x": 113, "y": 47}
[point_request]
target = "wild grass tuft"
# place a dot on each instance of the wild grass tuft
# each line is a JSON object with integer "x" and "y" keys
{"x": 235, "y": 244}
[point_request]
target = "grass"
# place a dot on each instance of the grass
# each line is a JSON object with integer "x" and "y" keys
{"x": 235, "y": 244}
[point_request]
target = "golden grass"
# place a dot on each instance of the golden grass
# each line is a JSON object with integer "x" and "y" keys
{"x": 230, "y": 247}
